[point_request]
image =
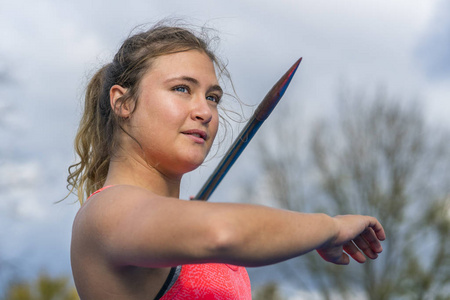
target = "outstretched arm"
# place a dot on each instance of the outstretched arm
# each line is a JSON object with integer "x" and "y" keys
{"x": 135, "y": 227}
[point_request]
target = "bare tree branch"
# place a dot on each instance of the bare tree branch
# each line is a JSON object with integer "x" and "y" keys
{"x": 378, "y": 157}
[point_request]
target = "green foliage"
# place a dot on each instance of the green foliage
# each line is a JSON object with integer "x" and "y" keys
{"x": 43, "y": 288}
{"x": 269, "y": 291}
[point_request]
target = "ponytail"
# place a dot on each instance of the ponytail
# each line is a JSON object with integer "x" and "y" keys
{"x": 91, "y": 142}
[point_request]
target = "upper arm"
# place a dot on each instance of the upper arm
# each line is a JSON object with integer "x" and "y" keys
{"x": 132, "y": 226}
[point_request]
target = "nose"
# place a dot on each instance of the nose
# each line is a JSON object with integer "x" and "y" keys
{"x": 201, "y": 110}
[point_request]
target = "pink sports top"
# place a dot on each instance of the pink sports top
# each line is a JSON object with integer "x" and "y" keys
{"x": 205, "y": 281}
{"x": 208, "y": 282}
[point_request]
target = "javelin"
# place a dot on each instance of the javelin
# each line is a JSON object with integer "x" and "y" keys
{"x": 261, "y": 113}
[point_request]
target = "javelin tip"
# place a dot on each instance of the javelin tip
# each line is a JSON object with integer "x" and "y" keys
{"x": 276, "y": 92}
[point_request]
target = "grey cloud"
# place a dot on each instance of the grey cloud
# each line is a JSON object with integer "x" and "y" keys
{"x": 434, "y": 49}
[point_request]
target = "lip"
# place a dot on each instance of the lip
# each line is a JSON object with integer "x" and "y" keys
{"x": 199, "y": 136}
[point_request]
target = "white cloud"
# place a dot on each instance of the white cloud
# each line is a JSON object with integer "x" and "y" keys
{"x": 19, "y": 182}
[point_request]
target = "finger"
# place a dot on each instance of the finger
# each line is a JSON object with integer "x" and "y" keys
{"x": 343, "y": 260}
{"x": 374, "y": 243}
{"x": 378, "y": 229}
{"x": 364, "y": 246}
{"x": 354, "y": 252}
{"x": 334, "y": 255}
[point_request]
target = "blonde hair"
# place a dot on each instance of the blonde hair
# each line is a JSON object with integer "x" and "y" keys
{"x": 95, "y": 140}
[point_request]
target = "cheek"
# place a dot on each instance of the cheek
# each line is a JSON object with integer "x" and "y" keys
{"x": 214, "y": 125}
{"x": 167, "y": 108}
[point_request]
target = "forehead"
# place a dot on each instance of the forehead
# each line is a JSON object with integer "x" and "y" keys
{"x": 192, "y": 63}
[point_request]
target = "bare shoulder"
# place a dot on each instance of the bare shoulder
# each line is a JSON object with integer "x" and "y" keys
{"x": 104, "y": 238}
{"x": 127, "y": 225}
{"x": 100, "y": 224}
{"x": 108, "y": 207}
{"x": 119, "y": 219}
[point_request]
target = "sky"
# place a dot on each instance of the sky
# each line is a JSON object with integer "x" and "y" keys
{"x": 49, "y": 49}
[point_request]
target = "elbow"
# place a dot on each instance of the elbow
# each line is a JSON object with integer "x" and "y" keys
{"x": 224, "y": 240}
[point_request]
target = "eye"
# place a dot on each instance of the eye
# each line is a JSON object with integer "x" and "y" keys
{"x": 213, "y": 98}
{"x": 181, "y": 89}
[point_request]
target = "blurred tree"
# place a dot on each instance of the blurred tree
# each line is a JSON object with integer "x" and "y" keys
{"x": 269, "y": 291}
{"x": 378, "y": 158}
{"x": 44, "y": 288}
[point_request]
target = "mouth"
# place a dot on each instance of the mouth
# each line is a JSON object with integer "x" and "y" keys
{"x": 196, "y": 133}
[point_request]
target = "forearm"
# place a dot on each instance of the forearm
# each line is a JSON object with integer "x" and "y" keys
{"x": 256, "y": 235}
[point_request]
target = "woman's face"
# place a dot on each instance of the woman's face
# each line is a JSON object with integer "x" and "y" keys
{"x": 176, "y": 117}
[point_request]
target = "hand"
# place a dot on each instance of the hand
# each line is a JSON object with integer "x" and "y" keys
{"x": 355, "y": 235}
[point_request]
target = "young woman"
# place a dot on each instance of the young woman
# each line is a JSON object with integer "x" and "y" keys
{"x": 151, "y": 116}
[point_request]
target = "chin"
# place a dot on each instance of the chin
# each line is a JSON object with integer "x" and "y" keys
{"x": 194, "y": 159}
{"x": 185, "y": 164}
{"x": 193, "y": 165}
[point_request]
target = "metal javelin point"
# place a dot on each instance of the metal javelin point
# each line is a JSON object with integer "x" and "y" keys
{"x": 261, "y": 113}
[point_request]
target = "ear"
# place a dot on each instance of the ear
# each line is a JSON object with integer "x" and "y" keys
{"x": 121, "y": 109}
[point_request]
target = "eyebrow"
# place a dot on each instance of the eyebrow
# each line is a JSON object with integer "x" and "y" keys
{"x": 213, "y": 88}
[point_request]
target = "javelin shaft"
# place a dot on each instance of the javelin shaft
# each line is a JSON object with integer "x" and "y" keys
{"x": 261, "y": 113}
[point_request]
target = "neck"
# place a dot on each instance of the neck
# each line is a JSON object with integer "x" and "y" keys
{"x": 129, "y": 171}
